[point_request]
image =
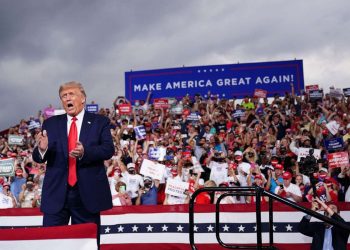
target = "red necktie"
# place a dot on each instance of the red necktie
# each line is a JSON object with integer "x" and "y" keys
{"x": 72, "y": 162}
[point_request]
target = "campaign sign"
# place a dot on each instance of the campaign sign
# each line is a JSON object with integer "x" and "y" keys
{"x": 227, "y": 80}
{"x": 337, "y": 160}
{"x": 140, "y": 132}
{"x": 260, "y": 93}
{"x": 336, "y": 93}
{"x": 333, "y": 127}
{"x": 238, "y": 113}
{"x": 92, "y": 108}
{"x": 16, "y": 140}
{"x": 48, "y": 112}
{"x": 125, "y": 109}
{"x": 311, "y": 87}
{"x": 316, "y": 94}
{"x": 176, "y": 188}
{"x": 193, "y": 117}
{"x": 153, "y": 153}
{"x": 177, "y": 110}
{"x": 152, "y": 169}
{"x": 7, "y": 167}
{"x": 346, "y": 92}
{"x": 34, "y": 124}
{"x": 334, "y": 144}
{"x": 303, "y": 152}
{"x": 161, "y": 103}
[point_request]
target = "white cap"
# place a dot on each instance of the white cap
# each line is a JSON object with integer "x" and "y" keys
{"x": 324, "y": 170}
{"x": 238, "y": 152}
{"x": 130, "y": 165}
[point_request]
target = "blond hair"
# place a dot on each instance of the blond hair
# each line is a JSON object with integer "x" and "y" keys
{"x": 72, "y": 84}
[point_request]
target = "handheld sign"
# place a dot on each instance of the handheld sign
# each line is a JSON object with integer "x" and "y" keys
{"x": 261, "y": 93}
{"x": 152, "y": 169}
{"x": 315, "y": 95}
{"x": 161, "y": 103}
{"x": 337, "y": 160}
{"x": 333, "y": 127}
{"x": 125, "y": 109}
{"x": 303, "y": 152}
{"x": 334, "y": 144}
{"x": 7, "y": 167}
{"x": 16, "y": 140}
{"x": 92, "y": 108}
{"x": 346, "y": 92}
{"x": 140, "y": 132}
{"x": 176, "y": 188}
{"x": 311, "y": 87}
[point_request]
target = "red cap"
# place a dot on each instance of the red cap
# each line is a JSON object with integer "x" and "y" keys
{"x": 274, "y": 162}
{"x": 287, "y": 176}
{"x": 279, "y": 166}
{"x": 258, "y": 176}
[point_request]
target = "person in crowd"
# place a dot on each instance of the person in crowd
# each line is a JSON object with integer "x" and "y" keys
{"x": 148, "y": 193}
{"x": 324, "y": 236}
{"x": 122, "y": 197}
{"x": 27, "y": 194}
{"x": 289, "y": 190}
{"x": 133, "y": 180}
{"x": 18, "y": 181}
{"x": 7, "y": 199}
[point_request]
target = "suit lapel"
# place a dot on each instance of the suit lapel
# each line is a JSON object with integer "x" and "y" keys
{"x": 63, "y": 134}
{"x": 85, "y": 127}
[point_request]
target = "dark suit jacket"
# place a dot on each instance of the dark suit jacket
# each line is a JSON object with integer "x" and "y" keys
{"x": 316, "y": 230}
{"x": 92, "y": 180}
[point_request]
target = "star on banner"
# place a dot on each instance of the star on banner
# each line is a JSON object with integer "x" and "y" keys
{"x": 134, "y": 228}
{"x": 241, "y": 228}
{"x": 149, "y": 228}
{"x": 225, "y": 228}
{"x": 255, "y": 228}
{"x": 210, "y": 228}
{"x": 289, "y": 227}
{"x": 179, "y": 228}
{"x": 195, "y": 228}
{"x": 274, "y": 228}
{"x": 107, "y": 229}
{"x": 120, "y": 228}
{"x": 165, "y": 228}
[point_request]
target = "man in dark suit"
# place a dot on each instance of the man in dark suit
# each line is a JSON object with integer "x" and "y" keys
{"x": 324, "y": 236}
{"x": 74, "y": 145}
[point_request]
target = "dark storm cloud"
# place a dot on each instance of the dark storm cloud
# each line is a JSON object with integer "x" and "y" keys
{"x": 46, "y": 43}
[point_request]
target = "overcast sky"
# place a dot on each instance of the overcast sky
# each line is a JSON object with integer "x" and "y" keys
{"x": 46, "y": 43}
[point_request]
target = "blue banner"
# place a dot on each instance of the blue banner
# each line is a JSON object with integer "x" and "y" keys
{"x": 226, "y": 81}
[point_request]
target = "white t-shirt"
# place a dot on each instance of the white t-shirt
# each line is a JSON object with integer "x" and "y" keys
{"x": 133, "y": 183}
{"x": 292, "y": 188}
{"x": 5, "y": 201}
{"x": 244, "y": 166}
{"x": 218, "y": 171}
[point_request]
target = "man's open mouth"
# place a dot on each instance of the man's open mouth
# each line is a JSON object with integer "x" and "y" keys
{"x": 69, "y": 105}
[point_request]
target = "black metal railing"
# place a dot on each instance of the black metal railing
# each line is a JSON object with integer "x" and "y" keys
{"x": 258, "y": 192}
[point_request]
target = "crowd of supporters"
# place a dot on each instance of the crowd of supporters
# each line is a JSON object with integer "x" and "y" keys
{"x": 206, "y": 141}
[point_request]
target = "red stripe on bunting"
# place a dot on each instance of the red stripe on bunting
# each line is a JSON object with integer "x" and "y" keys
{"x": 81, "y": 231}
